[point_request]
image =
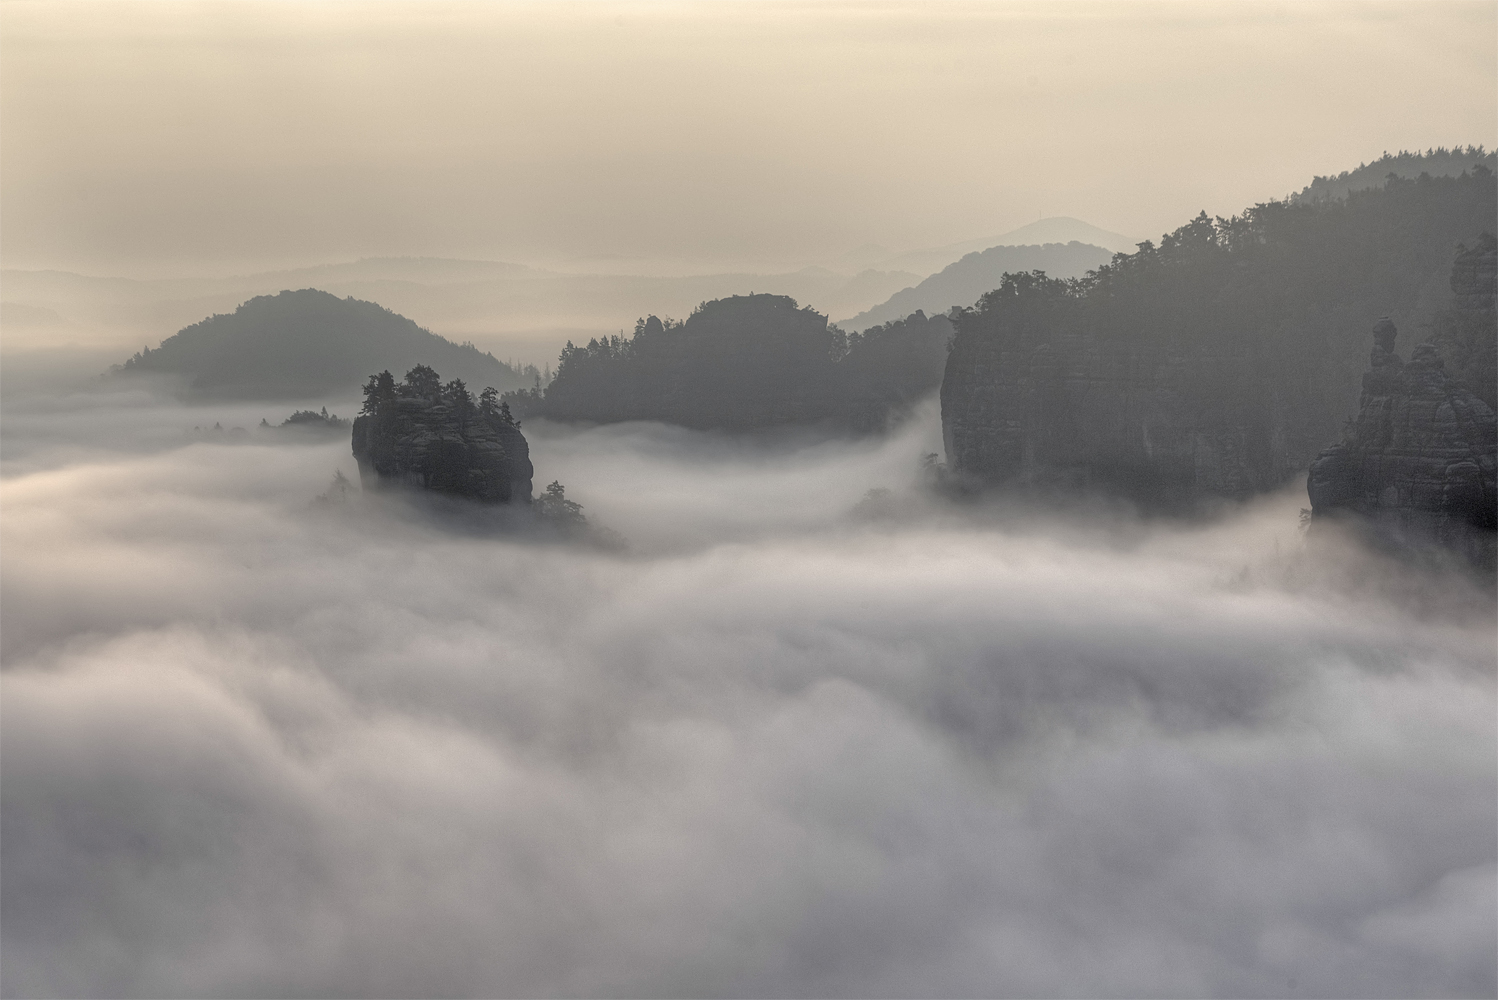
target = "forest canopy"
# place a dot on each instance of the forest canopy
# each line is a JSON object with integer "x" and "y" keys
{"x": 744, "y": 362}
{"x": 1280, "y": 299}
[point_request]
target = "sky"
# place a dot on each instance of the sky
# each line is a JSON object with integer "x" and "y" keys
{"x": 153, "y": 140}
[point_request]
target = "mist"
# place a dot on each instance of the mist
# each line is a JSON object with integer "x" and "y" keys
{"x": 766, "y": 739}
{"x": 162, "y": 140}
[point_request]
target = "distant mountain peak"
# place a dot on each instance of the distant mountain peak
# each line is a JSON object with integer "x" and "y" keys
{"x": 1055, "y": 230}
{"x": 1064, "y": 229}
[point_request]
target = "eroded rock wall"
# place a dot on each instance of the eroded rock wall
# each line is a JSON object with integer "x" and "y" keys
{"x": 425, "y": 443}
{"x": 1420, "y": 461}
{"x": 1033, "y": 395}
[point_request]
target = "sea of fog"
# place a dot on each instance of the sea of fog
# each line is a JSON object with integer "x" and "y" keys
{"x": 763, "y": 736}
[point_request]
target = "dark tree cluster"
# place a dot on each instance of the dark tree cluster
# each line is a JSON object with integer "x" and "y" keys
{"x": 1247, "y": 333}
{"x": 746, "y": 362}
{"x": 433, "y": 435}
{"x": 381, "y": 393}
{"x": 312, "y": 420}
{"x": 1290, "y": 284}
{"x": 1438, "y": 162}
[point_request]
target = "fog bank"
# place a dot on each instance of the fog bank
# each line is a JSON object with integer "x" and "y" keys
{"x": 773, "y": 746}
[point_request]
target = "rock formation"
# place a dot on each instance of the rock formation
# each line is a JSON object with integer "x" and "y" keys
{"x": 1467, "y": 333}
{"x": 1033, "y": 396}
{"x": 428, "y": 436}
{"x": 1216, "y": 364}
{"x": 1420, "y": 461}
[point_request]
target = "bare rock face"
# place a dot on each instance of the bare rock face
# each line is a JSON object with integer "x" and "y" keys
{"x": 435, "y": 443}
{"x": 1033, "y": 395}
{"x": 1467, "y": 334}
{"x": 1474, "y": 274}
{"x": 1419, "y": 464}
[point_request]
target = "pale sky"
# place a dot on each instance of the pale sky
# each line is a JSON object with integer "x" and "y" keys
{"x": 155, "y": 139}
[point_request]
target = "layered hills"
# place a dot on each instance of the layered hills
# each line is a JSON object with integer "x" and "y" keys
{"x": 1440, "y": 162}
{"x": 1055, "y": 229}
{"x": 960, "y": 284}
{"x": 306, "y": 344}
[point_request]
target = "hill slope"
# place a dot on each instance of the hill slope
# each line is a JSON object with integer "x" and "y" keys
{"x": 1055, "y": 229}
{"x": 308, "y": 344}
{"x": 1441, "y": 162}
{"x": 961, "y": 284}
{"x": 744, "y": 363}
{"x": 1220, "y": 362}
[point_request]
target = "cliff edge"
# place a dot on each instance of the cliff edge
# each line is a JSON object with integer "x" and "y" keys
{"x": 1219, "y": 363}
{"x": 1419, "y": 464}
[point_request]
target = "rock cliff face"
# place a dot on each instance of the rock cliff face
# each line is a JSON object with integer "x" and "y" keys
{"x": 1420, "y": 462}
{"x": 1219, "y": 363}
{"x": 1475, "y": 274}
{"x": 427, "y": 443}
{"x": 1034, "y": 396}
{"x": 1140, "y": 424}
{"x": 1467, "y": 334}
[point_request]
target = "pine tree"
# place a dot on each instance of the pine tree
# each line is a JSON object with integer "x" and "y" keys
{"x": 423, "y": 381}
{"x": 380, "y": 389}
{"x": 457, "y": 393}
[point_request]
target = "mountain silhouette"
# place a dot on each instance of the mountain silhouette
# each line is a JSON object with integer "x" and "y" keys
{"x": 962, "y": 283}
{"x": 307, "y": 344}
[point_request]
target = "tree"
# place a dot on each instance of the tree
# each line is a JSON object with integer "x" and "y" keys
{"x": 379, "y": 390}
{"x": 462, "y": 399}
{"x": 554, "y": 506}
{"x": 423, "y": 381}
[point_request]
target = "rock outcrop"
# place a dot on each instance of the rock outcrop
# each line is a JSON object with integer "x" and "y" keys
{"x": 1467, "y": 334}
{"x": 1419, "y": 464}
{"x": 1033, "y": 396}
{"x": 439, "y": 439}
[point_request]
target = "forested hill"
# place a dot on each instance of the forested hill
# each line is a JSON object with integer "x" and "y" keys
{"x": 1440, "y": 162}
{"x": 743, "y": 363}
{"x": 960, "y": 284}
{"x": 1221, "y": 360}
{"x": 308, "y": 344}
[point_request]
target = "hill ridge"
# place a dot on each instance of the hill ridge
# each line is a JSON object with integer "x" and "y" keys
{"x": 307, "y": 343}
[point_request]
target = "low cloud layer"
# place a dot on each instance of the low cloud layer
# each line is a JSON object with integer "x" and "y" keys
{"x": 254, "y": 746}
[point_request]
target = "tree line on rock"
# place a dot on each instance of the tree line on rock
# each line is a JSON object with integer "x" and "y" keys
{"x": 424, "y": 433}
{"x": 381, "y": 392}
